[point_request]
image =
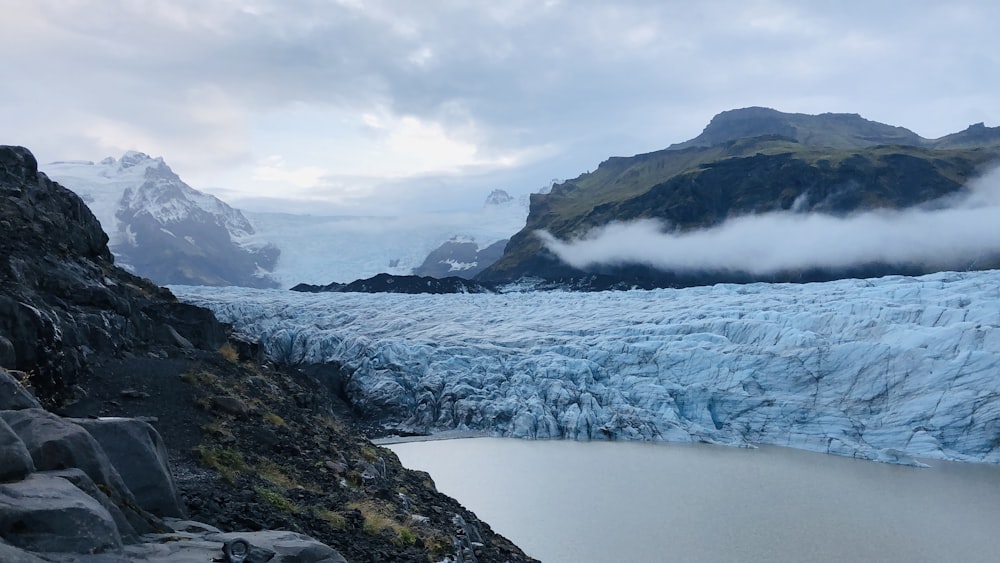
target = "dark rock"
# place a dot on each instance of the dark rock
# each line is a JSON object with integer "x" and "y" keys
{"x": 459, "y": 258}
{"x": 11, "y": 554}
{"x": 498, "y": 197}
{"x": 55, "y": 444}
{"x": 13, "y": 395}
{"x": 47, "y": 513}
{"x": 388, "y": 283}
{"x": 196, "y": 325}
{"x": 230, "y": 405}
{"x": 138, "y": 453}
{"x": 15, "y": 460}
{"x": 8, "y": 357}
{"x": 312, "y": 288}
{"x": 62, "y": 298}
{"x": 82, "y": 481}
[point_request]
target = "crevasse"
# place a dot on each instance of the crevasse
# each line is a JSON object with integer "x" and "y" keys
{"x": 886, "y": 369}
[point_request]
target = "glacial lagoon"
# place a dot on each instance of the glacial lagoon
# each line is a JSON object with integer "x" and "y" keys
{"x": 579, "y": 502}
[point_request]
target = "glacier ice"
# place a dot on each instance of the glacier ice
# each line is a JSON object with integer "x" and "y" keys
{"x": 887, "y": 369}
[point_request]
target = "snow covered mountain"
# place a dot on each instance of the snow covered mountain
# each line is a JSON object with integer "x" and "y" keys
{"x": 163, "y": 229}
{"x": 883, "y": 369}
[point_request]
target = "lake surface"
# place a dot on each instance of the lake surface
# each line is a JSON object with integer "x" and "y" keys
{"x": 577, "y": 502}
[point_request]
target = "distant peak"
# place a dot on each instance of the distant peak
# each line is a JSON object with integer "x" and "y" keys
{"x": 843, "y": 130}
{"x": 135, "y": 158}
{"x": 498, "y": 197}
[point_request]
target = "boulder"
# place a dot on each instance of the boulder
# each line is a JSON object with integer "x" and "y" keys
{"x": 13, "y": 395}
{"x": 138, "y": 453}
{"x": 15, "y": 461}
{"x": 80, "y": 480}
{"x": 199, "y": 544}
{"x": 11, "y": 554}
{"x": 8, "y": 357}
{"x": 47, "y": 513}
{"x": 56, "y": 443}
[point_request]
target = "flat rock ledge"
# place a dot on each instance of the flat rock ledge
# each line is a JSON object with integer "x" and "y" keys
{"x": 100, "y": 491}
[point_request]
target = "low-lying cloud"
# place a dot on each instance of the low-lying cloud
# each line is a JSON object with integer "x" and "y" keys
{"x": 951, "y": 232}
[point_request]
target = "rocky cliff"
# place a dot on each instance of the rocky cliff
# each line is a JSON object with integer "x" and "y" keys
{"x": 165, "y": 230}
{"x": 461, "y": 258}
{"x": 62, "y": 299}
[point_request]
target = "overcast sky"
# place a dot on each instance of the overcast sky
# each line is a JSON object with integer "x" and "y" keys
{"x": 366, "y": 106}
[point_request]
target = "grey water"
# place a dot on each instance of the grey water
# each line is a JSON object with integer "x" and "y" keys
{"x": 578, "y": 502}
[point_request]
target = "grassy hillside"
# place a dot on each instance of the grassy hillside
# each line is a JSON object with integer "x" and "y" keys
{"x": 832, "y": 163}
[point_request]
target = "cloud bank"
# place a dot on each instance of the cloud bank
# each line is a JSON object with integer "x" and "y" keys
{"x": 952, "y": 232}
{"x": 434, "y": 104}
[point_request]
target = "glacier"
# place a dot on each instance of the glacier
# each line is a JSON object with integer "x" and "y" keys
{"x": 319, "y": 249}
{"x": 890, "y": 369}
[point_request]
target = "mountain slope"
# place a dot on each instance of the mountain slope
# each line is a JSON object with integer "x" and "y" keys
{"x": 838, "y": 130}
{"x": 461, "y": 258}
{"x": 62, "y": 299}
{"x": 747, "y": 162}
{"x": 165, "y": 230}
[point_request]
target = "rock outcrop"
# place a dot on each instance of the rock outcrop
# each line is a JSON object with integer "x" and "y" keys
{"x": 66, "y": 491}
{"x": 138, "y": 453}
{"x": 388, "y": 283}
{"x": 61, "y": 297}
{"x": 460, "y": 258}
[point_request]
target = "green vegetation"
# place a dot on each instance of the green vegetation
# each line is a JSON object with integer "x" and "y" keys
{"x": 201, "y": 379}
{"x": 228, "y": 462}
{"x": 377, "y": 521}
{"x": 336, "y": 520}
{"x": 274, "y": 474}
{"x": 274, "y": 419}
{"x": 229, "y": 353}
{"x": 277, "y": 500}
{"x": 699, "y": 186}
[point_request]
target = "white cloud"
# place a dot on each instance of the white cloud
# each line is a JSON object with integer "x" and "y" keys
{"x": 399, "y": 91}
{"x": 955, "y": 235}
{"x": 273, "y": 170}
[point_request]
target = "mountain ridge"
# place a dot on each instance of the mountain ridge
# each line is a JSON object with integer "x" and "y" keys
{"x": 791, "y": 163}
{"x": 164, "y": 229}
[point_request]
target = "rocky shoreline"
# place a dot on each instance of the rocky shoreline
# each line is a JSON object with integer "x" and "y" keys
{"x": 132, "y": 429}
